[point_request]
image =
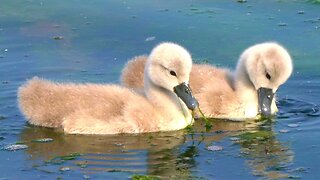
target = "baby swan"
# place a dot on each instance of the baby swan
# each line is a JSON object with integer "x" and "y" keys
{"x": 112, "y": 109}
{"x": 249, "y": 91}
{"x": 245, "y": 93}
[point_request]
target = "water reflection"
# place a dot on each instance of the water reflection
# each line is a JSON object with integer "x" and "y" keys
{"x": 267, "y": 156}
{"x": 264, "y": 153}
{"x": 168, "y": 154}
{"x": 152, "y": 153}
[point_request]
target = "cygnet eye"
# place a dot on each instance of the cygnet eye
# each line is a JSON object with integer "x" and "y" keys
{"x": 173, "y": 73}
{"x": 268, "y": 76}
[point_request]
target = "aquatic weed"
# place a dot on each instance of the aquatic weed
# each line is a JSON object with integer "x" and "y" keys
{"x": 190, "y": 130}
{"x": 314, "y": 1}
{"x": 20, "y": 142}
{"x": 114, "y": 170}
{"x": 62, "y": 159}
{"x": 214, "y": 148}
{"x": 44, "y": 140}
{"x": 71, "y": 156}
{"x": 207, "y": 125}
{"x": 144, "y": 177}
{"x": 82, "y": 164}
{"x": 15, "y": 147}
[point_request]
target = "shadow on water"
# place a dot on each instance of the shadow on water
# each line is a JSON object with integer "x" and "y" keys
{"x": 167, "y": 154}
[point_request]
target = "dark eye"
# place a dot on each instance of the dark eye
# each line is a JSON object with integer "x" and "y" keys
{"x": 173, "y": 73}
{"x": 268, "y": 76}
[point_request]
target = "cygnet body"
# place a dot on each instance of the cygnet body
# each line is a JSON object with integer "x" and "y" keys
{"x": 112, "y": 109}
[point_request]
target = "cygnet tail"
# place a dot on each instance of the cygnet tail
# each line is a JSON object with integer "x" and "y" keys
{"x": 36, "y": 102}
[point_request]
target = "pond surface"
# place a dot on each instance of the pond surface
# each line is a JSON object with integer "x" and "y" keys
{"x": 90, "y": 41}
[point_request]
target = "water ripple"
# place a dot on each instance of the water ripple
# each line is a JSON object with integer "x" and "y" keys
{"x": 289, "y": 108}
{"x": 133, "y": 161}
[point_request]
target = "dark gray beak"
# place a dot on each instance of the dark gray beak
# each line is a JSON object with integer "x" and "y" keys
{"x": 265, "y": 96}
{"x": 184, "y": 92}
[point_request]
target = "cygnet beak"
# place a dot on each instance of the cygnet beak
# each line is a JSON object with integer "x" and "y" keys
{"x": 184, "y": 92}
{"x": 265, "y": 96}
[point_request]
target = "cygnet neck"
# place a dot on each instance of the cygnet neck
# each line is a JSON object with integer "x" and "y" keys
{"x": 245, "y": 90}
{"x": 168, "y": 103}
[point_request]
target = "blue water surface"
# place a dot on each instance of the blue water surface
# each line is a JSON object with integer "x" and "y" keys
{"x": 90, "y": 41}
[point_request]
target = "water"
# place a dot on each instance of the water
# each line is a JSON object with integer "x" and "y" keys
{"x": 90, "y": 41}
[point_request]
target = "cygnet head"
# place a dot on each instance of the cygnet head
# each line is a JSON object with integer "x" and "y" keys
{"x": 268, "y": 65}
{"x": 169, "y": 66}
